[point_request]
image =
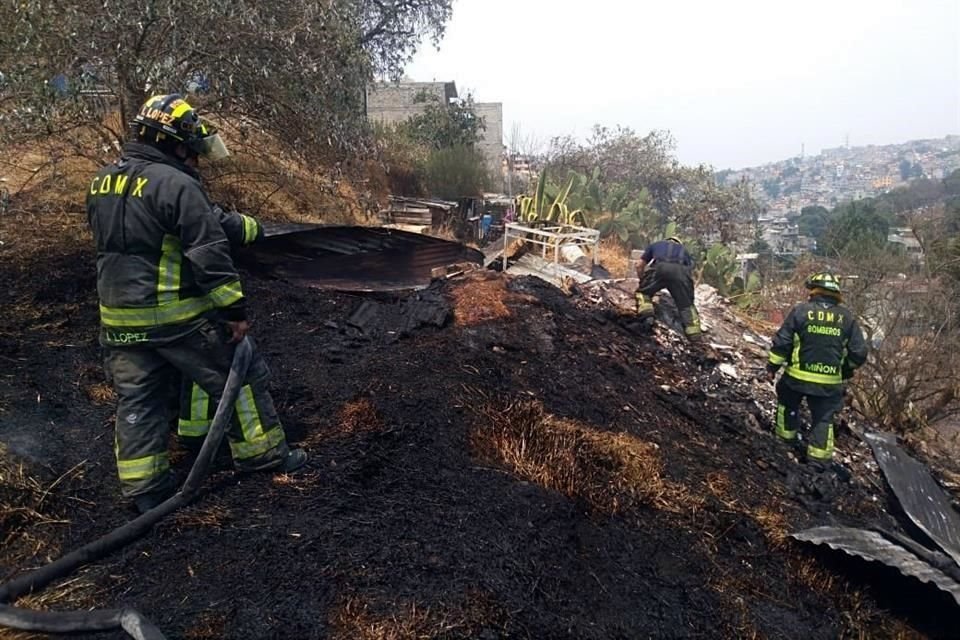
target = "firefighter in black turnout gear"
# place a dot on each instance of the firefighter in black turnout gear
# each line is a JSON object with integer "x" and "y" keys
{"x": 171, "y": 300}
{"x": 667, "y": 265}
{"x": 821, "y": 344}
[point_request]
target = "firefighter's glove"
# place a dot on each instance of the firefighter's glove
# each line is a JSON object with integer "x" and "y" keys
{"x": 770, "y": 373}
{"x": 847, "y": 396}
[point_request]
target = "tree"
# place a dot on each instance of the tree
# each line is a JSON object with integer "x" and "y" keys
{"x": 855, "y": 229}
{"x": 951, "y": 184}
{"x": 456, "y": 172}
{"x": 911, "y": 378}
{"x": 918, "y": 193}
{"x": 636, "y": 162}
{"x": 699, "y": 204}
{"x": 443, "y": 126}
{"x": 772, "y": 188}
{"x": 296, "y": 69}
{"x": 813, "y": 221}
{"x": 905, "y": 169}
{"x": 390, "y": 30}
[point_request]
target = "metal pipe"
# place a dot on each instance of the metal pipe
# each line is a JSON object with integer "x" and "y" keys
{"x": 127, "y": 619}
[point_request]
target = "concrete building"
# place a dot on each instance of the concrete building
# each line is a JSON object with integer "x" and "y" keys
{"x": 391, "y": 103}
{"x": 491, "y": 139}
{"x": 907, "y": 240}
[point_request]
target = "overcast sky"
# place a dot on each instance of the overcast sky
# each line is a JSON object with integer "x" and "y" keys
{"x": 738, "y": 83}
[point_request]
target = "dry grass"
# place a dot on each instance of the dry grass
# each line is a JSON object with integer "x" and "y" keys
{"x": 736, "y": 595}
{"x": 615, "y": 257}
{"x": 769, "y": 516}
{"x": 721, "y": 487}
{"x": 353, "y": 619}
{"x": 482, "y": 296}
{"x": 860, "y": 620}
{"x": 608, "y": 471}
{"x": 29, "y": 532}
{"x": 807, "y": 572}
{"x": 208, "y": 625}
{"x": 26, "y": 516}
{"x": 75, "y": 593}
{"x": 774, "y": 524}
{"x": 359, "y": 416}
{"x": 47, "y": 182}
{"x": 203, "y": 515}
{"x": 48, "y": 179}
{"x": 100, "y": 393}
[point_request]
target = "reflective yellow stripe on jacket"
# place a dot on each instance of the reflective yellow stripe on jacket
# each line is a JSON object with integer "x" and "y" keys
{"x": 171, "y": 309}
{"x": 794, "y": 370}
{"x": 168, "y": 271}
{"x": 171, "y": 312}
{"x": 816, "y": 378}
{"x": 249, "y": 229}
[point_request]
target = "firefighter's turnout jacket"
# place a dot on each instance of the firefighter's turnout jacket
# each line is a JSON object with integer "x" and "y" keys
{"x": 821, "y": 344}
{"x": 163, "y": 261}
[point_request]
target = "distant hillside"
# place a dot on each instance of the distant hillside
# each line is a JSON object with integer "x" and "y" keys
{"x": 846, "y": 173}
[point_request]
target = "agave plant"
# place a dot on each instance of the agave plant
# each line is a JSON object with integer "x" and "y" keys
{"x": 549, "y": 204}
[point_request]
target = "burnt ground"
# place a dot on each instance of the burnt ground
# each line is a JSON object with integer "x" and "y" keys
{"x": 532, "y": 470}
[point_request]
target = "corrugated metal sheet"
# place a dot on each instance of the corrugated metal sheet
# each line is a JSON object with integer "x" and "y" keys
{"x": 872, "y": 546}
{"x": 352, "y": 258}
{"x": 921, "y": 498}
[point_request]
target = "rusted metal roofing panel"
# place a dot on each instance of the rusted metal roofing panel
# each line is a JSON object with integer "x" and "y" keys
{"x": 919, "y": 494}
{"x": 353, "y": 258}
{"x": 873, "y": 546}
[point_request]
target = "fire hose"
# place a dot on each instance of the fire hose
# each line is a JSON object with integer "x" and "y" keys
{"x": 129, "y": 620}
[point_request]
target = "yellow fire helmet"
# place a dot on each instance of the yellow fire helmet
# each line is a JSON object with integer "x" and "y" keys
{"x": 171, "y": 116}
{"x": 823, "y": 280}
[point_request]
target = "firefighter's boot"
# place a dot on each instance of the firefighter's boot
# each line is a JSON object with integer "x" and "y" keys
{"x": 691, "y": 323}
{"x": 644, "y": 306}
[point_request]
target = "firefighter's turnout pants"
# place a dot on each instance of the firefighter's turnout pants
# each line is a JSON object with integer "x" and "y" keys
{"x": 823, "y": 410}
{"x": 678, "y": 280}
{"x": 145, "y": 379}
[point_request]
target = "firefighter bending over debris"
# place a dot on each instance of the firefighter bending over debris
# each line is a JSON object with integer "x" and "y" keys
{"x": 667, "y": 265}
{"x": 821, "y": 344}
{"x": 171, "y": 300}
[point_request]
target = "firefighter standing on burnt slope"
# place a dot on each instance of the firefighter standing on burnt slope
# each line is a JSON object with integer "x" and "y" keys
{"x": 171, "y": 300}
{"x": 667, "y": 265}
{"x": 821, "y": 344}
